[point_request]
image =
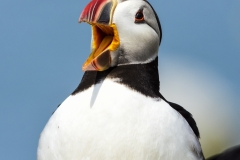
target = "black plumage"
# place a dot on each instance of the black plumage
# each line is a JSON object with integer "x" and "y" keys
{"x": 230, "y": 154}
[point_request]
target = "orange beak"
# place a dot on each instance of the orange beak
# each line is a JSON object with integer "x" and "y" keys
{"x": 105, "y": 39}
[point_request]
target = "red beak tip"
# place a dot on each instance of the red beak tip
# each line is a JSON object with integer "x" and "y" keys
{"x": 81, "y": 19}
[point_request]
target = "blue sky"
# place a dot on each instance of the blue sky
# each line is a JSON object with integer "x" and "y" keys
{"x": 42, "y": 49}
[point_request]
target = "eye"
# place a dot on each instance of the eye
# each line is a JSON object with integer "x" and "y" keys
{"x": 139, "y": 17}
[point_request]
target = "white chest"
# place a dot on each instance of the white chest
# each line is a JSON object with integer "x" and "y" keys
{"x": 110, "y": 121}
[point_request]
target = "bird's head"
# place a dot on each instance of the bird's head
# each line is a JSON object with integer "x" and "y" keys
{"x": 123, "y": 32}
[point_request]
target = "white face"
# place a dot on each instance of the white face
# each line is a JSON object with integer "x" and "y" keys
{"x": 139, "y": 41}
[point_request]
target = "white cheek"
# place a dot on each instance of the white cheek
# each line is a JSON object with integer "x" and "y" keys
{"x": 139, "y": 41}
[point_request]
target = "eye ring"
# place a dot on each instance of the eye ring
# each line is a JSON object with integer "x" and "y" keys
{"x": 139, "y": 17}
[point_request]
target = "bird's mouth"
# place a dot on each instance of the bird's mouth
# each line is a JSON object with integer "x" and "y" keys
{"x": 98, "y": 13}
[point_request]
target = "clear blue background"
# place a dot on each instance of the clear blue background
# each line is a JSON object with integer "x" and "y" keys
{"x": 42, "y": 49}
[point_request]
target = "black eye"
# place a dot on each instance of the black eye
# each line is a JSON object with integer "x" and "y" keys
{"x": 139, "y": 17}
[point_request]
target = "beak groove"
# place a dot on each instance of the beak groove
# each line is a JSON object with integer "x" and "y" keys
{"x": 105, "y": 39}
{"x": 98, "y": 11}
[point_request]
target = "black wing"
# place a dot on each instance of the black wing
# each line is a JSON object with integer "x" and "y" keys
{"x": 230, "y": 154}
{"x": 187, "y": 115}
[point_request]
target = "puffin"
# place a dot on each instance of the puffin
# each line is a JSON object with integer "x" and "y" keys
{"x": 117, "y": 111}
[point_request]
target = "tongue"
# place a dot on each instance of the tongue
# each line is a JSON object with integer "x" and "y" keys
{"x": 104, "y": 44}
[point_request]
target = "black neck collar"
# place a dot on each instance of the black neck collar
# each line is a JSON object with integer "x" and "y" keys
{"x": 143, "y": 78}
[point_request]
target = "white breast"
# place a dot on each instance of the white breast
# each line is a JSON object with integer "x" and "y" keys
{"x": 110, "y": 121}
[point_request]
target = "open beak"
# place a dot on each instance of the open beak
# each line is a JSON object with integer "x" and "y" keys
{"x": 99, "y": 13}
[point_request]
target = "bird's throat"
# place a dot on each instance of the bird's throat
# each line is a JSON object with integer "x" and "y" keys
{"x": 142, "y": 78}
